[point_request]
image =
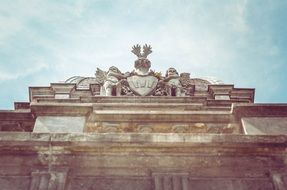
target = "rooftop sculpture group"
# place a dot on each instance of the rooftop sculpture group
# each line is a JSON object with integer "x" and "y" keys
{"x": 142, "y": 81}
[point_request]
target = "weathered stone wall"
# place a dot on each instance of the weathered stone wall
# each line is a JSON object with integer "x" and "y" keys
{"x": 206, "y": 141}
{"x": 142, "y": 161}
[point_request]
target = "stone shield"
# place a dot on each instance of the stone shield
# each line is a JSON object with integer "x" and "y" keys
{"x": 142, "y": 85}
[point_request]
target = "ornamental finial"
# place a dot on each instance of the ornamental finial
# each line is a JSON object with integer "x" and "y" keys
{"x": 136, "y": 49}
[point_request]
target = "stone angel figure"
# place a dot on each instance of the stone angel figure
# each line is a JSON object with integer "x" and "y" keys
{"x": 173, "y": 84}
{"x": 110, "y": 81}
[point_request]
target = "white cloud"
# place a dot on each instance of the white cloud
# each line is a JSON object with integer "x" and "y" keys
{"x": 38, "y": 66}
{"x": 238, "y": 13}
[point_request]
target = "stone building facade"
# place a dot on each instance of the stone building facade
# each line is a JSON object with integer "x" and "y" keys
{"x": 143, "y": 130}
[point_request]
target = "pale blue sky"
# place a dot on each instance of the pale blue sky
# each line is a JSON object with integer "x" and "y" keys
{"x": 242, "y": 42}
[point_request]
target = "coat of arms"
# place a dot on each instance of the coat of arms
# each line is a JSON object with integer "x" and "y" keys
{"x": 142, "y": 85}
{"x": 142, "y": 81}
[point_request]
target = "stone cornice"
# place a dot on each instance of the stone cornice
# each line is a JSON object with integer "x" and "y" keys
{"x": 192, "y": 143}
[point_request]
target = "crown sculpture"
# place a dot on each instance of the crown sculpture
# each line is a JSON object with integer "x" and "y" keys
{"x": 142, "y": 81}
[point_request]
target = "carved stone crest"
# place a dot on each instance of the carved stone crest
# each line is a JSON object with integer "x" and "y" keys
{"x": 142, "y": 82}
{"x": 145, "y": 82}
{"x": 142, "y": 85}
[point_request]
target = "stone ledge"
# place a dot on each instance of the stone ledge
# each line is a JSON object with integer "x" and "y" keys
{"x": 63, "y": 109}
{"x": 160, "y": 115}
{"x": 211, "y": 139}
{"x": 16, "y": 115}
{"x": 261, "y": 110}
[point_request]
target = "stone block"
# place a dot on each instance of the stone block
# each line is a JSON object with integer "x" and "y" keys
{"x": 14, "y": 182}
{"x": 104, "y": 183}
{"x": 62, "y": 96}
{"x": 59, "y": 124}
{"x": 222, "y": 97}
{"x": 264, "y": 125}
{"x": 232, "y": 184}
